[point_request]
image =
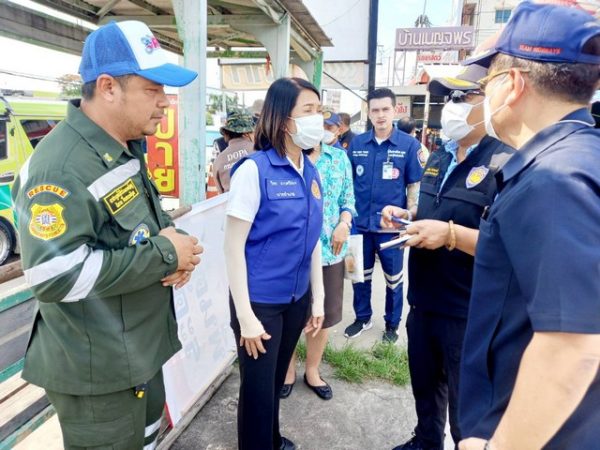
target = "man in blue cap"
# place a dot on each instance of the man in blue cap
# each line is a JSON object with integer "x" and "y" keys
{"x": 99, "y": 253}
{"x": 529, "y": 376}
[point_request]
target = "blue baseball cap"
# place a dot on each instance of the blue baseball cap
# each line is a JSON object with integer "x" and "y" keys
{"x": 129, "y": 48}
{"x": 545, "y": 33}
{"x": 331, "y": 118}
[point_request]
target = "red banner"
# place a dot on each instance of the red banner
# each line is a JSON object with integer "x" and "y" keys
{"x": 163, "y": 152}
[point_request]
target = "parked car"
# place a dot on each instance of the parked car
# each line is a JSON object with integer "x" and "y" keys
{"x": 23, "y": 123}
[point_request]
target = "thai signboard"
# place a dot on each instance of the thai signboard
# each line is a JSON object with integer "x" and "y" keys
{"x": 403, "y": 106}
{"x": 436, "y": 38}
{"x": 450, "y": 57}
{"x": 163, "y": 152}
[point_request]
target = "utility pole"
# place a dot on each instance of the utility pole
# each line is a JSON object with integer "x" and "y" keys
{"x": 372, "y": 54}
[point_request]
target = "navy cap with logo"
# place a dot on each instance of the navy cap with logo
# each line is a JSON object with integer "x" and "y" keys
{"x": 466, "y": 80}
{"x": 545, "y": 33}
{"x": 129, "y": 48}
{"x": 331, "y": 118}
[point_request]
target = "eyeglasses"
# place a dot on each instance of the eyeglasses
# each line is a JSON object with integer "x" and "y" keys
{"x": 463, "y": 96}
{"x": 485, "y": 80}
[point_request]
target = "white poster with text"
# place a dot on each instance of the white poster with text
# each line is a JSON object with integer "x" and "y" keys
{"x": 202, "y": 311}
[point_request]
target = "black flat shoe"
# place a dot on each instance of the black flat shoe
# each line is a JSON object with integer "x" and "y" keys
{"x": 286, "y": 390}
{"x": 323, "y": 392}
{"x": 286, "y": 444}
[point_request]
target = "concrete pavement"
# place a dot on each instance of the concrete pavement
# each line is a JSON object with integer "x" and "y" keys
{"x": 373, "y": 415}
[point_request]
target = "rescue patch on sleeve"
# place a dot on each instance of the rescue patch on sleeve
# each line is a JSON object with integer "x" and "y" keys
{"x": 121, "y": 196}
{"x": 47, "y": 221}
{"x": 47, "y": 188}
{"x": 140, "y": 234}
{"x": 422, "y": 157}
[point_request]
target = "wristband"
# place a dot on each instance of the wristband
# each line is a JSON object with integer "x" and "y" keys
{"x": 451, "y": 244}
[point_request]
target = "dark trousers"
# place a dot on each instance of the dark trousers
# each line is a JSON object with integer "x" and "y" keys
{"x": 391, "y": 263}
{"x": 261, "y": 379}
{"x": 118, "y": 421}
{"x": 434, "y": 352}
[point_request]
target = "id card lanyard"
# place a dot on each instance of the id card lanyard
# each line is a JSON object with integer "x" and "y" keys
{"x": 388, "y": 169}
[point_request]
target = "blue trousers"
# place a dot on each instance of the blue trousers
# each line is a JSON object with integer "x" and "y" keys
{"x": 391, "y": 262}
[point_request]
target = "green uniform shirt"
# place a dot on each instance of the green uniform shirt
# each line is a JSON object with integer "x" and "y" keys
{"x": 89, "y": 218}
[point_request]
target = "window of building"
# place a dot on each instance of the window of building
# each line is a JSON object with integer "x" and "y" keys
{"x": 502, "y": 15}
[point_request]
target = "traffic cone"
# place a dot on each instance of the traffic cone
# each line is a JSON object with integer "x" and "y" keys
{"x": 211, "y": 187}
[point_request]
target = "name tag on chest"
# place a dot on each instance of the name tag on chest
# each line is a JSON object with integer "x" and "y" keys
{"x": 284, "y": 189}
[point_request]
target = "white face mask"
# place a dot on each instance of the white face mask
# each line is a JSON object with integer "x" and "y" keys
{"x": 328, "y": 137}
{"x": 454, "y": 120}
{"x": 309, "y": 131}
{"x": 488, "y": 113}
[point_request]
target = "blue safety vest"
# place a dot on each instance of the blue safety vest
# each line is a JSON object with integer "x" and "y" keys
{"x": 285, "y": 230}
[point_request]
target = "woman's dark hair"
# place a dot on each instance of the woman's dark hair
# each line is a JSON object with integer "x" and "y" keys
{"x": 279, "y": 102}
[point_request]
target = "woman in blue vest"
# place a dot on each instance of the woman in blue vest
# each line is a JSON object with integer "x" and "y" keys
{"x": 274, "y": 219}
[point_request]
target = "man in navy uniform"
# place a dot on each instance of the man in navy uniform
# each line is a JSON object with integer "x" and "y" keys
{"x": 346, "y": 134}
{"x": 457, "y": 187}
{"x": 386, "y": 172}
{"x": 529, "y": 375}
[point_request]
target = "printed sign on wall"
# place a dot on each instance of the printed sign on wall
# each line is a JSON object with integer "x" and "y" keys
{"x": 163, "y": 152}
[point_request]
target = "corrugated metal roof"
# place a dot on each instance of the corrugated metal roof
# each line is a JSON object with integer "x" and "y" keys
{"x": 220, "y": 33}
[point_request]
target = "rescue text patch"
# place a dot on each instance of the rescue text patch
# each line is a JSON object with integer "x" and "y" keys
{"x": 432, "y": 172}
{"x": 50, "y": 188}
{"x": 117, "y": 199}
{"x": 47, "y": 221}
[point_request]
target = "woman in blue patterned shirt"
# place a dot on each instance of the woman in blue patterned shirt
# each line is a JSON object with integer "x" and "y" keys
{"x": 338, "y": 209}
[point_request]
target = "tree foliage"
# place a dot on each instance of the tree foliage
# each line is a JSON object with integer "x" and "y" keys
{"x": 70, "y": 85}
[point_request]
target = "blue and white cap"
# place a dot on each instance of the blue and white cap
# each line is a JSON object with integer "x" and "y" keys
{"x": 129, "y": 48}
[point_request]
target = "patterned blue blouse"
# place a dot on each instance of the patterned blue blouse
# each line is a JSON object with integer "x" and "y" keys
{"x": 338, "y": 196}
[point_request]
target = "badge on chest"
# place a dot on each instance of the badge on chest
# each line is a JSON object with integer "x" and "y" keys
{"x": 476, "y": 176}
{"x": 284, "y": 189}
{"x": 390, "y": 172}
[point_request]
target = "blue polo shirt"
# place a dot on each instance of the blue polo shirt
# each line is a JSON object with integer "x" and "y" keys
{"x": 537, "y": 269}
{"x": 372, "y": 190}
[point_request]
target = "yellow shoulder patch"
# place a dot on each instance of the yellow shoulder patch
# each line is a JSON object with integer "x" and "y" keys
{"x": 120, "y": 197}
{"x": 47, "y": 221}
{"x": 314, "y": 188}
{"x": 47, "y": 188}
